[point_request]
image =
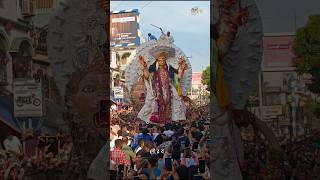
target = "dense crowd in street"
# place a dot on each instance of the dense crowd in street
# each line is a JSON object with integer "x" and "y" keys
{"x": 300, "y": 161}
{"x": 44, "y": 163}
{"x": 178, "y": 150}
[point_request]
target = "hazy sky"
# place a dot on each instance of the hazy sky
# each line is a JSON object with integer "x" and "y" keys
{"x": 191, "y": 33}
{"x": 278, "y": 15}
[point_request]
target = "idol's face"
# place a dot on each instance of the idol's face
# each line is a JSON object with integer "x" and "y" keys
{"x": 162, "y": 60}
{"x": 92, "y": 90}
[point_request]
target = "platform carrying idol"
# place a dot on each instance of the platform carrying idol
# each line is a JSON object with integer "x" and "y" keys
{"x": 167, "y": 76}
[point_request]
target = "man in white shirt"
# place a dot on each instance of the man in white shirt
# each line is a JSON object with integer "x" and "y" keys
{"x": 12, "y": 144}
{"x": 168, "y": 132}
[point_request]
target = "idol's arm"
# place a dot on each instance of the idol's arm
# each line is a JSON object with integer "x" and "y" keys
{"x": 146, "y": 73}
{"x": 181, "y": 71}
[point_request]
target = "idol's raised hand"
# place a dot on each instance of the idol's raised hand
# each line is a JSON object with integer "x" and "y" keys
{"x": 142, "y": 62}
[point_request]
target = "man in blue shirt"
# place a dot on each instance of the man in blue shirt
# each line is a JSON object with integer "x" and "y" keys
{"x": 151, "y": 37}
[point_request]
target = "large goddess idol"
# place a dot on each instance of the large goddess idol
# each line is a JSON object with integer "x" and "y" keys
{"x": 167, "y": 75}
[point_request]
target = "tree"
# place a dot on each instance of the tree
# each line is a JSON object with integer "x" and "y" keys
{"x": 205, "y": 79}
{"x": 311, "y": 109}
{"x": 307, "y": 50}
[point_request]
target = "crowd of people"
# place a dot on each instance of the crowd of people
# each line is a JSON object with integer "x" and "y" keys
{"x": 40, "y": 157}
{"x": 178, "y": 150}
{"x": 300, "y": 159}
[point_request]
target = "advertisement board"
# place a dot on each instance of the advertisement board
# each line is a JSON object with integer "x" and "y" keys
{"x": 113, "y": 58}
{"x": 118, "y": 92}
{"x": 277, "y": 52}
{"x": 196, "y": 78}
{"x": 28, "y": 101}
{"x": 270, "y": 112}
{"x": 124, "y": 28}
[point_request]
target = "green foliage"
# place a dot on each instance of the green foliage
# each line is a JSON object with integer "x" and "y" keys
{"x": 311, "y": 111}
{"x": 206, "y": 77}
{"x": 307, "y": 50}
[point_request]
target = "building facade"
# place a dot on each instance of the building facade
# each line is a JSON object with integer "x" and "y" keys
{"x": 282, "y": 91}
{"x": 125, "y": 38}
{"x": 23, "y": 54}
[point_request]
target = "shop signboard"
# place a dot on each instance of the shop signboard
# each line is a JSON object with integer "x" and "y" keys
{"x": 271, "y": 112}
{"x": 28, "y": 100}
{"x": 118, "y": 92}
{"x": 277, "y": 52}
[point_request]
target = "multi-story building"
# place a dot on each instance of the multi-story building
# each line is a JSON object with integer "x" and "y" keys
{"x": 125, "y": 38}
{"x": 198, "y": 91}
{"x": 283, "y": 90}
{"x": 16, "y": 46}
{"x": 23, "y": 53}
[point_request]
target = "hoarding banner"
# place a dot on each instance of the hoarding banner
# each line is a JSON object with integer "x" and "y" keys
{"x": 277, "y": 53}
{"x": 124, "y": 29}
{"x": 118, "y": 92}
{"x": 28, "y": 101}
{"x": 113, "y": 63}
{"x": 270, "y": 112}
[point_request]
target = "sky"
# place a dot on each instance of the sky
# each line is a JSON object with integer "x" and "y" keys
{"x": 191, "y": 33}
{"x": 279, "y": 15}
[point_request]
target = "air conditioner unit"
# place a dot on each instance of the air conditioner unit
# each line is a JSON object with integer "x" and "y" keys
{"x": 28, "y": 7}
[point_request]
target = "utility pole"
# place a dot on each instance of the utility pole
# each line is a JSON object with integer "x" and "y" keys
{"x": 295, "y": 21}
{"x": 260, "y": 96}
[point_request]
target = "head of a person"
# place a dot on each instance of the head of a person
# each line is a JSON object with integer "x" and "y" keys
{"x": 187, "y": 153}
{"x": 143, "y": 176}
{"x": 119, "y": 133}
{"x": 145, "y": 131}
{"x": 161, "y": 59}
{"x": 139, "y": 158}
{"x": 141, "y": 143}
{"x": 124, "y": 128}
{"x": 118, "y": 143}
{"x": 155, "y": 129}
{"x": 180, "y": 131}
{"x": 149, "y": 34}
{"x": 193, "y": 127}
{"x": 147, "y": 146}
{"x": 125, "y": 140}
{"x": 161, "y": 129}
